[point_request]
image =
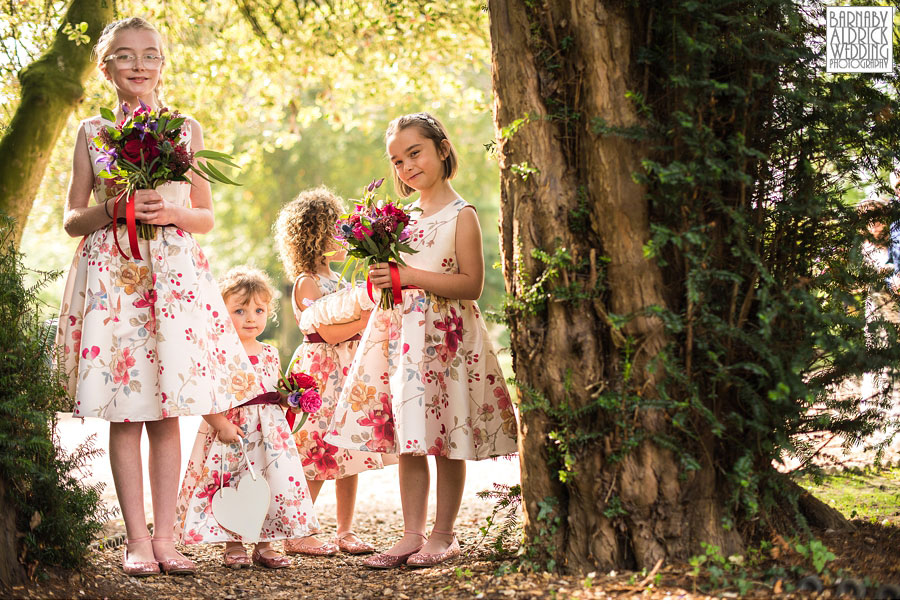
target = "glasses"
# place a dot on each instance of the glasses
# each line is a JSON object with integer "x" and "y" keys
{"x": 127, "y": 61}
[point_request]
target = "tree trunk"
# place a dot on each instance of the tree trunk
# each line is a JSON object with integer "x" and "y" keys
{"x": 52, "y": 87}
{"x": 11, "y": 570}
{"x": 561, "y": 64}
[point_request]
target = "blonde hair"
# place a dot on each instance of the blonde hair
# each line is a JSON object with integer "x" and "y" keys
{"x": 248, "y": 282}
{"x": 107, "y": 38}
{"x": 431, "y": 128}
{"x": 305, "y": 228}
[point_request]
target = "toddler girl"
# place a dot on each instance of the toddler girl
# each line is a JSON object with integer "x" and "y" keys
{"x": 269, "y": 447}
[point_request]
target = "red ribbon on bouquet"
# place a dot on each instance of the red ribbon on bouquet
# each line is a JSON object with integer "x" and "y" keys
{"x": 395, "y": 284}
{"x": 130, "y": 225}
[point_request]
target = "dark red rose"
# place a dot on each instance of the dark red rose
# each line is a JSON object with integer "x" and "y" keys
{"x": 132, "y": 151}
{"x": 151, "y": 148}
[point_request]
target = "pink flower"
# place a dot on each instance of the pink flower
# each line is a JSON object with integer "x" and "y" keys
{"x": 453, "y": 327}
{"x": 310, "y": 402}
{"x": 382, "y": 423}
{"x": 361, "y": 231}
{"x": 120, "y": 366}
{"x": 322, "y": 456}
{"x": 192, "y": 537}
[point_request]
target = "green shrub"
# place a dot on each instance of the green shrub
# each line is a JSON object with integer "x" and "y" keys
{"x": 57, "y": 516}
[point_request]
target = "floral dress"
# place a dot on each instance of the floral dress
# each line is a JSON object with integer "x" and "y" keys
{"x": 142, "y": 340}
{"x": 271, "y": 451}
{"x": 425, "y": 379}
{"x": 328, "y": 364}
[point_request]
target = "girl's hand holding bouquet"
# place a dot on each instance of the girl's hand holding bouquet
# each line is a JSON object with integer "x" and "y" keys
{"x": 142, "y": 152}
{"x": 376, "y": 231}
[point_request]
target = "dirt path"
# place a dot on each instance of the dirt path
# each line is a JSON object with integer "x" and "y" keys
{"x": 871, "y": 551}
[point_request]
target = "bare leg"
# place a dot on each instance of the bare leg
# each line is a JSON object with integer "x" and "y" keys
{"x": 128, "y": 477}
{"x": 345, "y": 494}
{"x": 451, "y": 480}
{"x": 164, "y": 465}
{"x": 414, "y": 479}
{"x": 315, "y": 486}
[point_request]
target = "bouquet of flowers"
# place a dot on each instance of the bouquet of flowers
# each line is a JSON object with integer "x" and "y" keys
{"x": 376, "y": 232}
{"x": 145, "y": 150}
{"x": 302, "y": 395}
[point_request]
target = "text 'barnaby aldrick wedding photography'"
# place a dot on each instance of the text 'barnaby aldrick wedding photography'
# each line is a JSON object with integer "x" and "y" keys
{"x": 859, "y": 39}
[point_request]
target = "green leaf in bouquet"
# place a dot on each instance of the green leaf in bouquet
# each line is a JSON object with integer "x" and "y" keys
{"x": 217, "y": 156}
{"x": 106, "y": 174}
{"x": 402, "y": 247}
{"x": 108, "y": 115}
{"x": 370, "y": 245}
{"x": 213, "y": 173}
{"x": 175, "y": 124}
{"x": 127, "y": 164}
{"x": 113, "y": 133}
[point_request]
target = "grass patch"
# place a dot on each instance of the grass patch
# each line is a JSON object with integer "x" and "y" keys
{"x": 872, "y": 494}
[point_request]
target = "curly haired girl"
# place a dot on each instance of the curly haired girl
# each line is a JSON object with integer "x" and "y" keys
{"x": 331, "y": 317}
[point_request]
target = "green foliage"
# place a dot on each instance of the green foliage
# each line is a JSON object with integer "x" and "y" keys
{"x": 817, "y": 554}
{"x": 721, "y": 572}
{"x": 754, "y": 150}
{"x": 507, "y": 503}
{"x": 55, "y": 513}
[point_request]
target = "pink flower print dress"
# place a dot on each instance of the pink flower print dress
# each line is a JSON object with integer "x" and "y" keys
{"x": 425, "y": 379}
{"x": 142, "y": 340}
{"x": 328, "y": 364}
{"x": 270, "y": 449}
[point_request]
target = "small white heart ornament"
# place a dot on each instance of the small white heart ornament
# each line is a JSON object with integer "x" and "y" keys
{"x": 242, "y": 510}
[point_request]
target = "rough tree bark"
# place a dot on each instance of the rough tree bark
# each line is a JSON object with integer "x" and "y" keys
{"x": 52, "y": 87}
{"x": 562, "y": 63}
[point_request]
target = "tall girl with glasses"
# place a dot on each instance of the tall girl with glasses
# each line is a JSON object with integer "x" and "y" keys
{"x": 143, "y": 341}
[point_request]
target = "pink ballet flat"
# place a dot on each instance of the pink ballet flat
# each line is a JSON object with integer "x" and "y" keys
{"x": 176, "y": 566}
{"x": 138, "y": 569}
{"x": 296, "y": 546}
{"x": 353, "y": 547}
{"x": 276, "y": 561}
{"x": 386, "y": 561}
{"x": 235, "y": 557}
{"x": 420, "y": 560}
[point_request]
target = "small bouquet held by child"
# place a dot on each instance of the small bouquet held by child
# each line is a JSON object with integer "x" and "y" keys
{"x": 376, "y": 231}
{"x": 302, "y": 395}
{"x": 146, "y": 150}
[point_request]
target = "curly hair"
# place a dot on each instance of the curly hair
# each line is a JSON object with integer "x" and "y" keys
{"x": 248, "y": 283}
{"x": 305, "y": 228}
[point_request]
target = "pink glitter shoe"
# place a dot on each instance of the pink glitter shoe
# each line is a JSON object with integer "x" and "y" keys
{"x": 235, "y": 556}
{"x": 138, "y": 569}
{"x": 274, "y": 561}
{"x": 353, "y": 547}
{"x": 422, "y": 560}
{"x": 176, "y": 566}
{"x": 296, "y": 546}
{"x": 385, "y": 561}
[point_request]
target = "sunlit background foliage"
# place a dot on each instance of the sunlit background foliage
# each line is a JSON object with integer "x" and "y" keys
{"x": 300, "y": 93}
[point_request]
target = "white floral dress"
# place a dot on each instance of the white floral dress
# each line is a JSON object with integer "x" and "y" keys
{"x": 425, "y": 380}
{"x": 142, "y": 340}
{"x": 328, "y": 364}
{"x": 270, "y": 449}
